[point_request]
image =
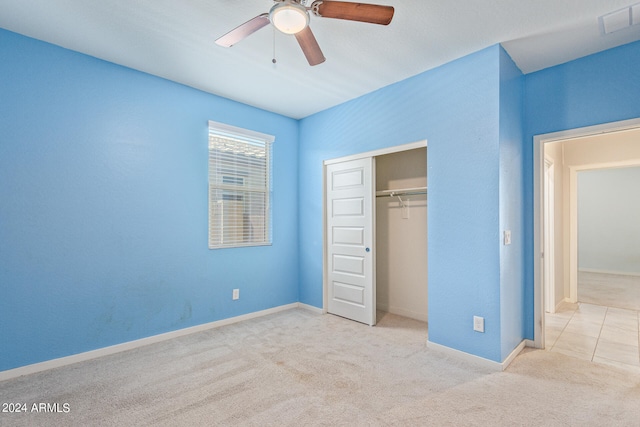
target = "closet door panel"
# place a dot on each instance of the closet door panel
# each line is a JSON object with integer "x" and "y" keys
{"x": 350, "y": 266}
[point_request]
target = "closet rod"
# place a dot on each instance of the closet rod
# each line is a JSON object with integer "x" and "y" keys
{"x": 402, "y": 192}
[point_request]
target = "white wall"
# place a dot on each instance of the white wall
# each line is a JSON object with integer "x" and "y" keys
{"x": 401, "y": 244}
{"x": 609, "y": 220}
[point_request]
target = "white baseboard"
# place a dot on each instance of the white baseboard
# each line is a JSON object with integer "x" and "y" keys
{"x": 403, "y": 312}
{"x": 105, "y": 351}
{"x": 311, "y": 308}
{"x": 516, "y": 351}
{"x": 477, "y": 360}
{"x": 618, "y": 273}
{"x": 563, "y": 301}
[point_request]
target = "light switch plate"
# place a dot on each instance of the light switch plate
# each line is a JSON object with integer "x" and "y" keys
{"x": 507, "y": 237}
{"x": 478, "y": 324}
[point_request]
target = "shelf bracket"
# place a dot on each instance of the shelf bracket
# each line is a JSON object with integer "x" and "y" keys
{"x": 405, "y": 208}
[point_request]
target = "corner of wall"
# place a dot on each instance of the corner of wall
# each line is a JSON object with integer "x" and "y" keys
{"x": 511, "y": 205}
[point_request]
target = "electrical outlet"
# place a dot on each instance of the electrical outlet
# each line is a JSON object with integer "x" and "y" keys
{"x": 478, "y": 324}
{"x": 236, "y": 294}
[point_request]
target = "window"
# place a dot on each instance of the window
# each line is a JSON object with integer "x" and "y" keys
{"x": 239, "y": 187}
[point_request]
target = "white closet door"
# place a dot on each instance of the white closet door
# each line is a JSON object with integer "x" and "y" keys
{"x": 350, "y": 258}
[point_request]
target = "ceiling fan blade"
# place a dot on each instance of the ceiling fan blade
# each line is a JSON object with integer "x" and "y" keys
{"x": 243, "y": 31}
{"x": 363, "y": 12}
{"x": 310, "y": 46}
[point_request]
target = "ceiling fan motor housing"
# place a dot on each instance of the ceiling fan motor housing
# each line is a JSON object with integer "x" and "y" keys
{"x": 289, "y": 17}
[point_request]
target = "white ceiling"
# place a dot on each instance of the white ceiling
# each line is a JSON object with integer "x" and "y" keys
{"x": 174, "y": 39}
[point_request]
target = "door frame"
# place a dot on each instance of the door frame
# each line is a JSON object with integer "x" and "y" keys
{"x": 549, "y": 235}
{"x": 368, "y": 154}
{"x": 538, "y": 206}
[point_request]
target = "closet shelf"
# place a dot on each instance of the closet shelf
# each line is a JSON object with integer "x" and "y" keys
{"x": 402, "y": 192}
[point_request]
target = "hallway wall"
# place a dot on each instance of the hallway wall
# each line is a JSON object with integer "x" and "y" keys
{"x": 608, "y": 226}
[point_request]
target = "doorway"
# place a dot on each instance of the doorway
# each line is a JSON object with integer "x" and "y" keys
{"x": 370, "y": 261}
{"x": 583, "y": 143}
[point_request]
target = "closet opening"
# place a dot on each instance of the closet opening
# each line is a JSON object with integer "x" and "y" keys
{"x": 375, "y": 239}
{"x": 401, "y": 233}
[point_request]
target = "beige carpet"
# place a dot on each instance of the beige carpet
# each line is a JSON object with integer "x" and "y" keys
{"x": 298, "y": 368}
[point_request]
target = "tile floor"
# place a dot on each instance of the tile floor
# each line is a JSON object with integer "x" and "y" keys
{"x": 597, "y": 333}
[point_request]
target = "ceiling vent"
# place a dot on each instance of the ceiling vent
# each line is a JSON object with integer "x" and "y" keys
{"x": 620, "y": 19}
{"x": 635, "y": 14}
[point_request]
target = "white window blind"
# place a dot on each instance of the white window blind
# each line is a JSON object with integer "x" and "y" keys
{"x": 239, "y": 187}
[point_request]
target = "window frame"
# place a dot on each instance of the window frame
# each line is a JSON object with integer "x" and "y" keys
{"x": 222, "y": 130}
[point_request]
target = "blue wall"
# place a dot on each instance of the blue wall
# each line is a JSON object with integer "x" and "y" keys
{"x": 103, "y": 202}
{"x": 597, "y": 89}
{"x": 456, "y": 108}
{"x": 103, "y": 207}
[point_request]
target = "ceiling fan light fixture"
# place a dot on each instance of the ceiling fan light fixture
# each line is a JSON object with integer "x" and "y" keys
{"x": 288, "y": 17}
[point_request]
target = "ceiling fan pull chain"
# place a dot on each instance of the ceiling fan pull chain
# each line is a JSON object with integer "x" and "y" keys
{"x": 274, "y": 45}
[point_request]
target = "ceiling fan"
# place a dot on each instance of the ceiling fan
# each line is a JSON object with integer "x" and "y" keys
{"x": 292, "y": 17}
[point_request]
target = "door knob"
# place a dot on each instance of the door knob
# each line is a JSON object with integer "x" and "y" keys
{"x": 367, "y": 249}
